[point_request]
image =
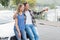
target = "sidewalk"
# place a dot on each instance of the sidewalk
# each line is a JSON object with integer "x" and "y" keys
{"x": 43, "y": 22}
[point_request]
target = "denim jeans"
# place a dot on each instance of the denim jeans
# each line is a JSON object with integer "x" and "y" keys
{"x": 32, "y": 32}
{"x": 23, "y": 34}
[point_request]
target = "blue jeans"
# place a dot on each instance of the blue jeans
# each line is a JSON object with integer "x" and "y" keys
{"x": 23, "y": 34}
{"x": 32, "y": 33}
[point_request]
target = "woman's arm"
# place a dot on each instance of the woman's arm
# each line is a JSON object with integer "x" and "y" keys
{"x": 17, "y": 28}
{"x": 14, "y": 15}
{"x": 16, "y": 23}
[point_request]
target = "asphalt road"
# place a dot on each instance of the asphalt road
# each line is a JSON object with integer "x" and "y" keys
{"x": 47, "y": 32}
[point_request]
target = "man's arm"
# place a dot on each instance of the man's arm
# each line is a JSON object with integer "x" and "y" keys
{"x": 40, "y": 12}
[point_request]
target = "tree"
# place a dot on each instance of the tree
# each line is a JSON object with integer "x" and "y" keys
{"x": 31, "y": 2}
{"x": 16, "y": 2}
{"x": 4, "y": 2}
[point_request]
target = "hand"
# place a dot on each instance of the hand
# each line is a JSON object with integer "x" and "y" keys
{"x": 19, "y": 35}
{"x": 46, "y": 9}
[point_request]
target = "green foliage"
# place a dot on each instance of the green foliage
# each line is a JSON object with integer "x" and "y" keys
{"x": 16, "y": 2}
{"x": 4, "y": 2}
{"x": 52, "y": 6}
{"x": 31, "y": 2}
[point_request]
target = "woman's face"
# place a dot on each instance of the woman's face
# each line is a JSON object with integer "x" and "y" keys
{"x": 22, "y": 8}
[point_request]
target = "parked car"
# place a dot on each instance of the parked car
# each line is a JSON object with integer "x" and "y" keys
{"x": 6, "y": 24}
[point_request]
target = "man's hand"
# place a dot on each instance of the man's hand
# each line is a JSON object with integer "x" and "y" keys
{"x": 46, "y": 9}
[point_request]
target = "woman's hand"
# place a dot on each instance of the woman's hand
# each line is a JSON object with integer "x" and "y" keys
{"x": 19, "y": 35}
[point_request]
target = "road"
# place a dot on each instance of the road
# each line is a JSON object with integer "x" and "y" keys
{"x": 47, "y": 32}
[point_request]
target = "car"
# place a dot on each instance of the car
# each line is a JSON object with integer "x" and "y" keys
{"x": 6, "y": 24}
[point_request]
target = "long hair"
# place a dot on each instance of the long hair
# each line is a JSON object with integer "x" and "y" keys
{"x": 18, "y": 8}
{"x": 17, "y": 11}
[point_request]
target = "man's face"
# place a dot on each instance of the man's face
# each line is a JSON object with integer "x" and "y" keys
{"x": 27, "y": 6}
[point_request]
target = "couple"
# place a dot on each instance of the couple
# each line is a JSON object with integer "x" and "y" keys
{"x": 24, "y": 23}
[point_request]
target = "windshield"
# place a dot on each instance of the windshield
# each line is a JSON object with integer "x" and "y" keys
{"x": 6, "y": 16}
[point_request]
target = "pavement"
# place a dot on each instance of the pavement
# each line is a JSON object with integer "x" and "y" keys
{"x": 48, "y": 31}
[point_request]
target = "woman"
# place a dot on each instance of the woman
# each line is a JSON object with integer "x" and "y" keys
{"x": 19, "y": 27}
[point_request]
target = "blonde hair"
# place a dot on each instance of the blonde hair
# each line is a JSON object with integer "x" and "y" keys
{"x": 18, "y": 10}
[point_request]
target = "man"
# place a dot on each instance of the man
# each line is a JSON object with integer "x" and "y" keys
{"x": 30, "y": 22}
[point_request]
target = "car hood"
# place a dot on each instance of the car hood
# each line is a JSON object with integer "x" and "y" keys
{"x": 7, "y": 29}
